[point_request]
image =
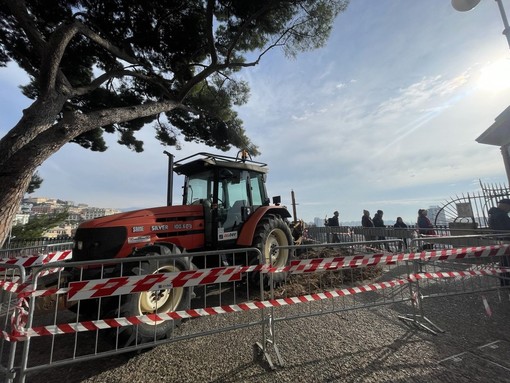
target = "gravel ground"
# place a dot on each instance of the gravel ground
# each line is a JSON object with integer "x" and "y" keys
{"x": 365, "y": 345}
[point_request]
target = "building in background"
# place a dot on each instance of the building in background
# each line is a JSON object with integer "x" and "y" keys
{"x": 77, "y": 213}
{"x": 432, "y": 213}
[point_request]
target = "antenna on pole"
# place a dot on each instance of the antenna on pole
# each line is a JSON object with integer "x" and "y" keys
{"x": 294, "y": 206}
{"x": 170, "y": 184}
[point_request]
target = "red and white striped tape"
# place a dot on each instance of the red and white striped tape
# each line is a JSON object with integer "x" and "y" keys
{"x": 353, "y": 261}
{"x": 38, "y": 260}
{"x": 132, "y": 284}
{"x": 68, "y": 328}
{"x": 97, "y": 288}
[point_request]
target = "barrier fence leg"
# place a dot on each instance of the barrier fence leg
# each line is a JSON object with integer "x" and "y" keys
{"x": 417, "y": 317}
{"x": 11, "y": 371}
{"x": 268, "y": 328}
{"x": 26, "y": 343}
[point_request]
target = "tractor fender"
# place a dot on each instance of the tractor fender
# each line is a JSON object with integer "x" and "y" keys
{"x": 248, "y": 230}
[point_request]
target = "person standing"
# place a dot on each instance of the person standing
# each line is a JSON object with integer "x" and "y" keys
{"x": 498, "y": 216}
{"x": 500, "y": 221}
{"x": 334, "y": 222}
{"x": 366, "y": 221}
{"x": 400, "y": 224}
{"x": 379, "y": 222}
{"x": 425, "y": 227}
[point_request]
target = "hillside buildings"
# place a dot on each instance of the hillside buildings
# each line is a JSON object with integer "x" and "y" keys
{"x": 78, "y": 213}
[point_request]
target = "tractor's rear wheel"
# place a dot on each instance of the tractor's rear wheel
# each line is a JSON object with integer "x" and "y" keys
{"x": 153, "y": 302}
{"x": 272, "y": 232}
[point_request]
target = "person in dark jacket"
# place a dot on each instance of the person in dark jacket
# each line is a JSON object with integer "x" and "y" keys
{"x": 424, "y": 224}
{"x": 366, "y": 221}
{"x": 500, "y": 221}
{"x": 425, "y": 227}
{"x": 333, "y": 221}
{"x": 400, "y": 224}
{"x": 379, "y": 222}
{"x": 498, "y": 216}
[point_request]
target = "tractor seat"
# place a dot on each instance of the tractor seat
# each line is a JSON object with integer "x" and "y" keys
{"x": 234, "y": 216}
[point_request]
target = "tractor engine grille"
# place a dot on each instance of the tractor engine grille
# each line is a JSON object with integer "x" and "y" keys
{"x": 98, "y": 243}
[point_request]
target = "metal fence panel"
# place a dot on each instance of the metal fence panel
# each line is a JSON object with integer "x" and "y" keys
{"x": 111, "y": 305}
{"x": 321, "y": 279}
{"x": 11, "y": 309}
{"x": 331, "y": 278}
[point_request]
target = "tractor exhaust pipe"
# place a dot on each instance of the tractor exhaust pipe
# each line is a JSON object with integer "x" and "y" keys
{"x": 170, "y": 184}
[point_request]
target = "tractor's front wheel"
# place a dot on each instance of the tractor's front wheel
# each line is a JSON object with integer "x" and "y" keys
{"x": 153, "y": 302}
{"x": 271, "y": 233}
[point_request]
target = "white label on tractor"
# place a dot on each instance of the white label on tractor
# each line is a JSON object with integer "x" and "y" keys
{"x": 227, "y": 236}
{"x": 145, "y": 238}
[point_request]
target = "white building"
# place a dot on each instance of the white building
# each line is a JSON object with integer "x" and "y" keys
{"x": 433, "y": 211}
{"x": 21, "y": 219}
{"x": 96, "y": 212}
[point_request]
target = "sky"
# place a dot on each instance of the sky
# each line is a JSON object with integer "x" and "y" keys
{"x": 384, "y": 116}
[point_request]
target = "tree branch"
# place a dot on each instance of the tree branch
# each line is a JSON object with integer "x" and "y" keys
{"x": 19, "y": 11}
{"x": 106, "y": 77}
{"x": 79, "y": 123}
{"x": 210, "y": 33}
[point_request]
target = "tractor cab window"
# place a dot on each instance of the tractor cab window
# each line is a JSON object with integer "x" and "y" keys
{"x": 199, "y": 187}
{"x": 234, "y": 197}
{"x": 234, "y": 189}
{"x": 257, "y": 189}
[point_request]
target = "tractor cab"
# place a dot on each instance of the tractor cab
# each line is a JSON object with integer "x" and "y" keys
{"x": 230, "y": 190}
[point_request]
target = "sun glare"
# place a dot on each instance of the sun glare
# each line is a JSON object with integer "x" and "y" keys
{"x": 495, "y": 76}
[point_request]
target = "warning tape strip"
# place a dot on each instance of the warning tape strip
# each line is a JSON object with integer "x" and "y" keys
{"x": 98, "y": 288}
{"x": 69, "y": 328}
{"x": 131, "y": 284}
{"x": 128, "y": 285}
{"x": 38, "y": 260}
{"x": 318, "y": 264}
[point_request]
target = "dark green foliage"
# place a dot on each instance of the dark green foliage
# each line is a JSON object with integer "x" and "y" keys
{"x": 187, "y": 51}
{"x": 37, "y": 225}
{"x": 35, "y": 183}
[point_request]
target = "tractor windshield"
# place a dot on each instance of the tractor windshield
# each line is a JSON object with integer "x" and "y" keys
{"x": 200, "y": 187}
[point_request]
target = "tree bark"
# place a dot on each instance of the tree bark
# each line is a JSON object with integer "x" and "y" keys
{"x": 36, "y": 137}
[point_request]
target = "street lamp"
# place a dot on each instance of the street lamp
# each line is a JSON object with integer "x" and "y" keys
{"x": 467, "y": 5}
{"x": 497, "y": 133}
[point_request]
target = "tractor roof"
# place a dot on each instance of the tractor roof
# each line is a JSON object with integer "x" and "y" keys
{"x": 200, "y": 162}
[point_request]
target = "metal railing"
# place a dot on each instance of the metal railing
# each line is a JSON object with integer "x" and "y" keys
{"x": 445, "y": 235}
{"x": 62, "y": 313}
{"x": 98, "y": 314}
{"x": 330, "y": 278}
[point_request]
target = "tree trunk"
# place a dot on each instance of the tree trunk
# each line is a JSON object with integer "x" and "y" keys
{"x": 36, "y": 137}
{"x": 21, "y": 154}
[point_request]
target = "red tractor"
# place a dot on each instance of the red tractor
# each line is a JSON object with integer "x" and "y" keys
{"x": 225, "y": 206}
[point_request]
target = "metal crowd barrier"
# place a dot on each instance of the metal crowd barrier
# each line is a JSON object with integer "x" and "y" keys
{"x": 337, "y": 277}
{"x": 100, "y": 322}
{"x": 444, "y": 238}
{"x": 11, "y": 314}
{"x": 320, "y": 279}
